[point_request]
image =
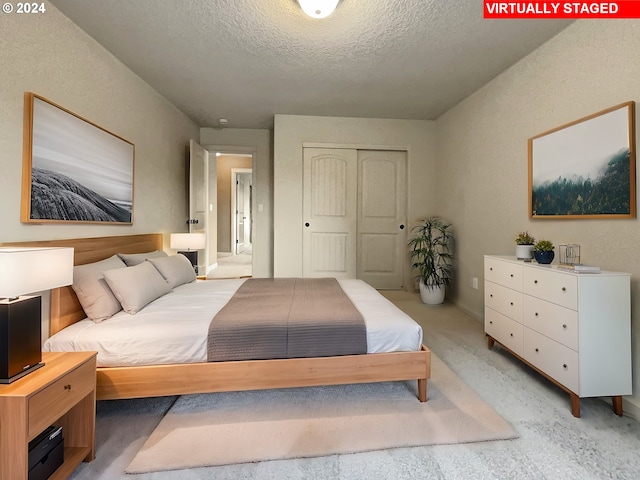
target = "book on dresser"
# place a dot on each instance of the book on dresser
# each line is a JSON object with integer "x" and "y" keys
{"x": 579, "y": 268}
{"x": 574, "y": 329}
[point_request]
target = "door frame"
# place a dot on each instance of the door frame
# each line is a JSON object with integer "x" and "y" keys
{"x": 234, "y": 215}
{"x": 223, "y": 149}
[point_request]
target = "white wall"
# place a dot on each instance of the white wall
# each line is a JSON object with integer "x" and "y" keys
{"x": 482, "y": 156}
{"x": 49, "y": 55}
{"x": 291, "y": 132}
{"x": 259, "y": 141}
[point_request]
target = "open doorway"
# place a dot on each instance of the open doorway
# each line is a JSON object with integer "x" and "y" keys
{"x": 235, "y": 215}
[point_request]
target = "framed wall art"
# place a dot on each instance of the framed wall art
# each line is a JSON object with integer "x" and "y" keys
{"x": 72, "y": 169}
{"x": 586, "y": 168}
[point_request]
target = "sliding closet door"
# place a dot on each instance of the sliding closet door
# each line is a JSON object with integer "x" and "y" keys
{"x": 329, "y": 213}
{"x": 381, "y": 235}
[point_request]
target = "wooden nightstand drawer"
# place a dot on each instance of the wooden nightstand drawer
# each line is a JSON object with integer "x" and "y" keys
{"x": 56, "y": 399}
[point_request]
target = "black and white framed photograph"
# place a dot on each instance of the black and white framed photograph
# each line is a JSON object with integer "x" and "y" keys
{"x": 73, "y": 170}
{"x": 585, "y": 169}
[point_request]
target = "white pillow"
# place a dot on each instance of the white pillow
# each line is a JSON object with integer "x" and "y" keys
{"x": 95, "y": 296}
{"x": 132, "y": 259}
{"x": 176, "y": 269}
{"x": 137, "y": 286}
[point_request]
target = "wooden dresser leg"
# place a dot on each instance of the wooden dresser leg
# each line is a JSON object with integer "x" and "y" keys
{"x": 617, "y": 405}
{"x": 422, "y": 389}
{"x": 490, "y": 342}
{"x": 575, "y": 405}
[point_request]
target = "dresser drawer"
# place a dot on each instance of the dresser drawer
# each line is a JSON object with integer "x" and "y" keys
{"x": 503, "y": 300}
{"x": 504, "y": 330}
{"x": 507, "y": 274}
{"x": 55, "y": 400}
{"x": 556, "y": 287}
{"x": 556, "y": 322}
{"x": 553, "y": 358}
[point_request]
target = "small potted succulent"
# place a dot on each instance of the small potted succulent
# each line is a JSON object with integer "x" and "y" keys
{"x": 524, "y": 246}
{"x": 543, "y": 251}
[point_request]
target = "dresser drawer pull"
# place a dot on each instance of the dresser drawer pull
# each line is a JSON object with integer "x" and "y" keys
{"x": 491, "y": 322}
{"x": 511, "y": 275}
{"x": 536, "y": 314}
{"x": 491, "y": 295}
{"x": 511, "y": 334}
{"x": 67, "y": 387}
{"x": 511, "y": 303}
{"x": 564, "y": 326}
{"x": 535, "y": 281}
{"x": 564, "y": 365}
{"x": 564, "y": 289}
{"x": 537, "y": 350}
{"x": 491, "y": 269}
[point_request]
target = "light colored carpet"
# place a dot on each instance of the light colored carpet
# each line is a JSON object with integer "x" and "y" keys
{"x": 242, "y": 427}
{"x": 232, "y": 266}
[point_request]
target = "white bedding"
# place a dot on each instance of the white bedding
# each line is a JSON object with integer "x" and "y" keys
{"x": 173, "y": 328}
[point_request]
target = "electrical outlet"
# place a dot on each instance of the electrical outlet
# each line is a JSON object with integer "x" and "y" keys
{"x": 474, "y": 282}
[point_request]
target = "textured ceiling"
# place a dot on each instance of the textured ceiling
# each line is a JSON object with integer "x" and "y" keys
{"x": 246, "y": 60}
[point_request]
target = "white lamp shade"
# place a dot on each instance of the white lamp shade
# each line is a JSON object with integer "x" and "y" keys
{"x": 29, "y": 270}
{"x": 188, "y": 241}
{"x": 318, "y": 8}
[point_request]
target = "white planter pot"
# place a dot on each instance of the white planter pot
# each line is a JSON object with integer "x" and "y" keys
{"x": 431, "y": 295}
{"x": 524, "y": 252}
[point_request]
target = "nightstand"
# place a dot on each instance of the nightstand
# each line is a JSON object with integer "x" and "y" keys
{"x": 63, "y": 393}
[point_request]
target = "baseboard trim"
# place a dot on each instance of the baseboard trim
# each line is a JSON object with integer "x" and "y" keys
{"x": 631, "y": 408}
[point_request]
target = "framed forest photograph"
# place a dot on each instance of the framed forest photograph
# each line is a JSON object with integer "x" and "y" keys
{"x": 72, "y": 169}
{"x": 586, "y": 168}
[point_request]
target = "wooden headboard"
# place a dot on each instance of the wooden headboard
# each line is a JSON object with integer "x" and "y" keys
{"x": 65, "y": 307}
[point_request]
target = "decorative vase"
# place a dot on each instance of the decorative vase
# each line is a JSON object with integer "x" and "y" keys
{"x": 524, "y": 252}
{"x": 544, "y": 257}
{"x": 431, "y": 295}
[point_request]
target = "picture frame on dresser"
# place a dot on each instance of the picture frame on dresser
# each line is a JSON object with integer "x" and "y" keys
{"x": 72, "y": 169}
{"x": 585, "y": 168}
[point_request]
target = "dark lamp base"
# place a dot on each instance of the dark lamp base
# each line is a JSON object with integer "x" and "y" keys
{"x": 4, "y": 381}
{"x": 192, "y": 255}
{"x": 20, "y": 347}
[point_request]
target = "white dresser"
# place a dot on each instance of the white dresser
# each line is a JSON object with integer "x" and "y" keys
{"x": 574, "y": 328}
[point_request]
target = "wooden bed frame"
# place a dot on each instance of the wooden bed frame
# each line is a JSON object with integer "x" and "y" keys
{"x": 162, "y": 380}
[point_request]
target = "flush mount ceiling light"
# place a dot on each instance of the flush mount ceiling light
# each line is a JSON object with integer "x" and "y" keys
{"x": 318, "y": 8}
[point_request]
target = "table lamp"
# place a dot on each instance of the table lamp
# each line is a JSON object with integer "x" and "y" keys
{"x": 188, "y": 245}
{"x": 25, "y": 271}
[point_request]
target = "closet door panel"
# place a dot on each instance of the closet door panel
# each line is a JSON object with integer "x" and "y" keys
{"x": 329, "y": 213}
{"x": 382, "y": 201}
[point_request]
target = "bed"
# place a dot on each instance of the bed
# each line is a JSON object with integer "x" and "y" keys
{"x": 121, "y": 382}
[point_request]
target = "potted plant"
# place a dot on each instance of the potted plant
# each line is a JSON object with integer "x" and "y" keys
{"x": 543, "y": 251}
{"x": 524, "y": 245}
{"x": 431, "y": 255}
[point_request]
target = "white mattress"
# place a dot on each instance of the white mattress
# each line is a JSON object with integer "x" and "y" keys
{"x": 173, "y": 328}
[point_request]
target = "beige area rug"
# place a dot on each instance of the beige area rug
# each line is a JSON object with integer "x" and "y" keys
{"x": 240, "y": 427}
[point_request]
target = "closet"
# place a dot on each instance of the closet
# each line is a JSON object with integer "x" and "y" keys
{"x": 354, "y": 215}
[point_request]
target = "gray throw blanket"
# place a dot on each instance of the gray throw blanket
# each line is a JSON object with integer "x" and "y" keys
{"x": 270, "y": 318}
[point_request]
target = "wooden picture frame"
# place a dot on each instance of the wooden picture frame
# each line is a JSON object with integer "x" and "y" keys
{"x": 586, "y": 168}
{"x": 72, "y": 169}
